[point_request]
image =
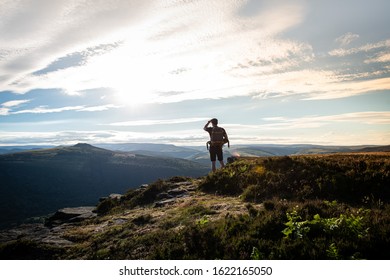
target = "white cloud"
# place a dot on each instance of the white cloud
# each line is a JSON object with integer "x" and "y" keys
{"x": 15, "y": 103}
{"x": 78, "y": 108}
{"x": 370, "y": 118}
{"x": 35, "y": 33}
{"x": 347, "y": 38}
{"x": 4, "y": 111}
{"x": 225, "y": 48}
{"x": 381, "y": 118}
{"x": 344, "y": 89}
{"x": 52, "y": 138}
{"x": 175, "y": 50}
{"x": 45, "y": 110}
{"x": 365, "y": 48}
{"x": 7, "y": 107}
{"x": 278, "y": 130}
{"x": 339, "y": 129}
{"x": 224, "y": 54}
{"x": 99, "y": 108}
{"x": 186, "y": 137}
{"x": 207, "y": 38}
{"x": 158, "y": 122}
{"x": 381, "y": 57}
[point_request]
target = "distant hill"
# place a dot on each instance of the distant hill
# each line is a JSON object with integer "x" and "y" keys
{"x": 301, "y": 149}
{"x": 198, "y": 152}
{"x": 375, "y": 149}
{"x": 265, "y": 150}
{"x": 41, "y": 181}
{"x": 165, "y": 150}
{"x": 16, "y": 149}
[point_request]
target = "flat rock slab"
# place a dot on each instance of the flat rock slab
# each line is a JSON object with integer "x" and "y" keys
{"x": 69, "y": 215}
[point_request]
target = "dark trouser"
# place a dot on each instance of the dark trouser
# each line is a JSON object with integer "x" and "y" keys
{"x": 216, "y": 152}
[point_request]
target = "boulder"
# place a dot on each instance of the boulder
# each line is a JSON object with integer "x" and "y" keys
{"x": 71, "y": 215}
{"x": 115, "y": 196}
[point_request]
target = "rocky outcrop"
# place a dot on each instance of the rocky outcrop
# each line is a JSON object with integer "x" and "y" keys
{"x": 71, "y": 215}
{"x": 59, "y": 231}
{"x": 51, "y": 232}
{"x": 180, "y": 190}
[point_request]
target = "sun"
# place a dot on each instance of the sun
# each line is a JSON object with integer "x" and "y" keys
{"x": 133, "y": 96}
{"x": 142, "y": 74}
{"x": 132, "y": 78}
{"x": 133, "y": 85}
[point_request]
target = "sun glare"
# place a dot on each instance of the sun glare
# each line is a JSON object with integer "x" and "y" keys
{"x": 141, "y": 72}
{"x": 129, "y": 73}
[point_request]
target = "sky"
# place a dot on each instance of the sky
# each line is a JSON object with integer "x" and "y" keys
{"x": 123, "y": 71}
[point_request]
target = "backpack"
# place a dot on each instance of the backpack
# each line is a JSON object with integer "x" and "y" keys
{"x": 217, "y": 136}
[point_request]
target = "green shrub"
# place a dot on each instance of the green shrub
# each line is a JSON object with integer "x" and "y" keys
{"x": 353, "y": 179}
{"x": 141, "y": 197}
{"x": 106, "y": 205}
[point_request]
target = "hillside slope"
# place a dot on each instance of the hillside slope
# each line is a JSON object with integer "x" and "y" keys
{"x": 301, "y": 207}
{"x": 39, "y": 182}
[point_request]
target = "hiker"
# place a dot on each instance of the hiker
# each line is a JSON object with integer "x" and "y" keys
{"x": 218, "y": 137}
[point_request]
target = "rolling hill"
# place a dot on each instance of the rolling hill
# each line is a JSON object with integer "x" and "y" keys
{"x": 39, "y": 182}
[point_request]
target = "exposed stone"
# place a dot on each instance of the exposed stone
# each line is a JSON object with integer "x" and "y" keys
{"x": 164, "y": 195}
{"x": 115, "y": 196}
{"x": 32, "y": 231}
{"x": 56, "y": 240}
{"x": 37, "y": 233}
{"x": 171, "y": 196}
{"x": 71, "y": 215}
{"x": 177, "y": 192}
{"x": 165, "y": 202}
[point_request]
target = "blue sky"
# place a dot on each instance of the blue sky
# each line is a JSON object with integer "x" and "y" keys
{"x": 272, "y": 72}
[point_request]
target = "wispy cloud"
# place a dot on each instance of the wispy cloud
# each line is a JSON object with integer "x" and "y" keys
{"x": 79, "y": 108}
{"x": 282, "y": 130}
{"x": 158, "y": 122}
{"x": 14, "y": 103}
{"x": 7, "y": 107}
{"x": 35, "y": 34}
{"x": 45, "y": 110}
{"x": 345, "y": 89}
{"x": 186, "y": 137}
{"x": 220, "y": 49}
{"x": 347, "y": 38}
{"x": 370, "y": 118}
{"x": 365, "y": 48}
{"x": 197, "y": 58}
{"x": 77, "y": 58}
{"x": 381, "y": 57}
{"x": 338, "y": 129}
{"x": 57, "y": 55}
{"x": 55, "y": 138}
{"x": 99, "y": 108}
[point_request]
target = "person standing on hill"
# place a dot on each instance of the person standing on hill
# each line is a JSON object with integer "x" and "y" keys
{"x": 218, "y": 137}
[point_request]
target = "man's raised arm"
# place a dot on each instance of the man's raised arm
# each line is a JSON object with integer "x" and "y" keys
{"x": 206, "y": 125}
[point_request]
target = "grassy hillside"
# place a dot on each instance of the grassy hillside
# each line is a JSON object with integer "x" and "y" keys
{"x": 298, "y": 207}
{"x": 39, "y": 182}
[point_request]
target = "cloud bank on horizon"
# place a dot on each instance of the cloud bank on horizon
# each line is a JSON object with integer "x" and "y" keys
{"x": 155, "y": 71}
